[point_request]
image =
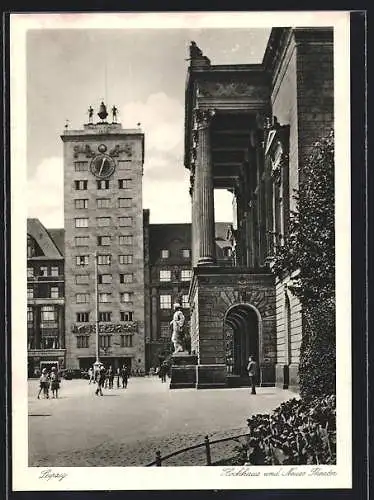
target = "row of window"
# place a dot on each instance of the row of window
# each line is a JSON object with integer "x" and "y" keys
{"x": 104, "y": 316}
{"x": 103, "y": 221}
{"x": 103, "y": 203}
{"x": 47, "y": 314}
{"x": 84, "y": 298}
{"x": 104, "y": 341}
{"x": 82, "y": 185}
{"x": 185, "y": 275}
{"x": 104, "y": 260}
{"x": 103, "y": 279}
{"x": 84, "y": 241}
{"x": 184, "y": 252}
{"x": 166, "y": 301}
{"x": 82, "y": 166}
{"x": 43, "y": 271}
{"x": 54, "y": 292}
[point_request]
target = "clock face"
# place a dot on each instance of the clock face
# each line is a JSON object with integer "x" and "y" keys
{"x": 102, "y": 166}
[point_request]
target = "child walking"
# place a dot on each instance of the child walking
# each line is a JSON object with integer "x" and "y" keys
{"x": 44, "y": 384}
{"x": 55, "y": 382}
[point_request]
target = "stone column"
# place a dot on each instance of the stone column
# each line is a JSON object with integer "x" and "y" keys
{"x": 204, "y": 203}
{"x": 37, "y": 333}
{"x": 61, "y": 326}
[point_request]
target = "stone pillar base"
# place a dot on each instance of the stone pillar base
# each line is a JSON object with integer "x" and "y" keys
{"x": 183, "y": 377}
{"x": 282, "y": 376}
{"x": 294, "y": 384}
{"x": 211, "y": 376}
{"x": 267, "y": 375}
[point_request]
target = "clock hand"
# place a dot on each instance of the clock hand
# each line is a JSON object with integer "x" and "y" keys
{"x": 102, "y": 165}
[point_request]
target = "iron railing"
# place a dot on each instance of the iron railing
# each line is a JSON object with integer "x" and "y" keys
{"x": 207, "y": 444}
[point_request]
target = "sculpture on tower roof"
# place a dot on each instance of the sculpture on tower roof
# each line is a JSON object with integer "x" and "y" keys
{"x": 114, "y": 114}
{"x": 90, "y": 114}
{"x": 103, "y": 113}
{"x": 197, "y": 57}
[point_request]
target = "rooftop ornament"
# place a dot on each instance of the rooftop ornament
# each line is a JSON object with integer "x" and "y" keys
{"x": 197, "y": 57}
{"x": 103, "y": 113}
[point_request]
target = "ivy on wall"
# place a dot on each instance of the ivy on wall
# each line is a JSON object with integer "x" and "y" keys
{"x": 308, "y": 253}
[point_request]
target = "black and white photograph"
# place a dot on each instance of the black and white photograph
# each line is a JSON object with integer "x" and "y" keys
{"x": 180, "y": 248}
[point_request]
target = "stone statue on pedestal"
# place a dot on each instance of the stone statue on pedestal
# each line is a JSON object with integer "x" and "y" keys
{"x": 177, "y": 324}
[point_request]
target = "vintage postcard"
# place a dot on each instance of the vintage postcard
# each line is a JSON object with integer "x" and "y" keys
{"x": 180, "y": 244}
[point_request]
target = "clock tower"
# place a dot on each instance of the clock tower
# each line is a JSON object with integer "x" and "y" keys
{"x": 103, "y": 220}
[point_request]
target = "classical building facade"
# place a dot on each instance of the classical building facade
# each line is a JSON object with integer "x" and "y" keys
{"x": 168, "y": 272}
{"x": 249, "y": 129}
{"x": 45, "y": 297}
{"x": 104, "y": 264}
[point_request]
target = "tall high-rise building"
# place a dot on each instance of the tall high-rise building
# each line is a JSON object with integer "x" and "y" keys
{"x": 103, "y": 169}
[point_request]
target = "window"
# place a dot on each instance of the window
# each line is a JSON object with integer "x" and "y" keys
{"x": 81, "y": 241}
{"x": 185, "y": 302}
{"x": 186, "y": 275}
{"x": 125, "y": 297}
{"x": 165, "y": 331}
{"x": 81, "y": 260}
{"x": 48, "y": 313}
{"x": 165, "y": 301}
{"x": 126, "y": 278}
{"x": 82, "y": 298}
{"x": 82, "y": 317}
{"x": 103, "y": 202}
{"x": 30, "y": 314}
{"x": 105, "y": 317}
{"x": 102, "y": 184}
{"x": 30, "y": 272}
{"x": 81, "y": 203}
{"x": 127, "y": 315}
{"x": 81, "y": 166}
{"x": 124, "y": 183}
{"x": 165, "y": 275}
{"x": 54, "y": 292}
{"x": 125, "y": 259}
{"x": 126, "y": 340}
{"x": 103, "y": 221}
{"x": 104, "y": 260}
{"x": 164, "y": 254}
{"x": 82, "y": 341}
{"x": 124, "y": 202}
{"x": 80, "y": 185}
{"x": 104, "y": 279}
{"x": 105, "y": 340}
{"x": 103, "y": 240}
{"x": 186, "y": 253}
{"x": 125, "y": 240}
{"x": 55, "y": 271}
{"x": 105, "y": 297}
{"x": 124, "y": 221}
{"x": 30, "y": 293}
{"x": 82, "y": 279}
{"x": 81, "y": 222}
{"x": 43, "y": 271}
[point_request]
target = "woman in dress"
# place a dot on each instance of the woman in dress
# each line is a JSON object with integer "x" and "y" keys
{"x": 44, "y": 384}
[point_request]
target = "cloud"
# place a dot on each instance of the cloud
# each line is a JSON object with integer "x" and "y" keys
{"x": 45, "y": 193}
{"x": 161, "y": 118}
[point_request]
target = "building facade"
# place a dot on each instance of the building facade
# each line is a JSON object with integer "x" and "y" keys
{"x": 168, "y": 270}
{"x": 104, "y": 264}
{"x": 45, "y": 297}
{"x": 249, "y": 129}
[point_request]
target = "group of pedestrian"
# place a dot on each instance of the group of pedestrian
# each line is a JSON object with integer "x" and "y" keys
{"x": 104, "y": 378}
{"x": 163, "y": 371}
{"x": 49, "y": 380}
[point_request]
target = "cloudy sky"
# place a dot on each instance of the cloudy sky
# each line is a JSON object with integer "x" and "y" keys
{"x": 142, "y": 72}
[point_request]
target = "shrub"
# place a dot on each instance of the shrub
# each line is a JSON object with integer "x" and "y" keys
{"x": 296, "y": 433}
{"x": 309, "y": 250}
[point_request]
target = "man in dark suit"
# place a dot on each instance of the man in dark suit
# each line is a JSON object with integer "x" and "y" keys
{"x": 252, "y": 373}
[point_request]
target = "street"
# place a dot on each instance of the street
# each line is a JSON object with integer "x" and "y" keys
{"x": 125, "y": 427}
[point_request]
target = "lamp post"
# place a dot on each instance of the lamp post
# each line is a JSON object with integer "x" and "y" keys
{"x": 97, "y": 310}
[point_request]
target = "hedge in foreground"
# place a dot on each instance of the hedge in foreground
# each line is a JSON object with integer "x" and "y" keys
{"x": 297, "y": 433}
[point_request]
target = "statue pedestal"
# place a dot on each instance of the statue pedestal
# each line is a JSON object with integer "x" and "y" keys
{"x": 183, "y": 371}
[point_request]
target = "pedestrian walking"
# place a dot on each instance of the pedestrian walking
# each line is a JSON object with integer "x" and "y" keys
{"x": 124, "y": 376}
{"x": 252, "y": 373}
{"x": 55, "y": 382}
{"x": 163, "y": 372}
{"x": 111, "y": 377}
{"x": 44, "y": 384}
{"x": 100, "y": 381}
{"x": 91, "y": 375}
{"x": 118, "y": 375}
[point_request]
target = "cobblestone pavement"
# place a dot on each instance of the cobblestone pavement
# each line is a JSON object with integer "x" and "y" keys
{"x": 125, "y": 427}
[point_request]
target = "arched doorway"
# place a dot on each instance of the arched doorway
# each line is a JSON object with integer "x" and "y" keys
{"x": 242, "y": 323}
